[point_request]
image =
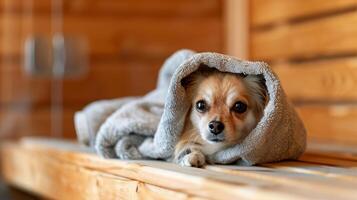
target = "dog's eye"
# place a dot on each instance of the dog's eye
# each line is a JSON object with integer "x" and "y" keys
{"x": 201, "y": 106}
{"x": 239, "y": 107}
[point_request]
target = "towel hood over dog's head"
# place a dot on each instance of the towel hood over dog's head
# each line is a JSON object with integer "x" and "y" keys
{"x": 149, "y": 127}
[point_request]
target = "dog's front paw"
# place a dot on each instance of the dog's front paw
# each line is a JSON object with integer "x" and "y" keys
{"x": 194, "y": 159}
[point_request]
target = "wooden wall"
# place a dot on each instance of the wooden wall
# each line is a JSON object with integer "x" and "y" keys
{"x": 128, "y": 40}
{"x": 312, "y": 46}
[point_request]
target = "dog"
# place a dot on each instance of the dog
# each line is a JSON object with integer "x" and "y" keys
{"x": 225, "y": 108}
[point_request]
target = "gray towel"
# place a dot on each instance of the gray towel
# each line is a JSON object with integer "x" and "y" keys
{"x": 149, "y": 127}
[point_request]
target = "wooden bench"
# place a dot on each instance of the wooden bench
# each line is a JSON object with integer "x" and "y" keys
{"x": 62, "y": 169}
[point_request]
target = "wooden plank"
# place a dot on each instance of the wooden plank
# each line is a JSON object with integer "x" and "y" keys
{"x": 340, "y": 156}
{"x": 340, "y": 150}
{"x": 332, "y": 150}
{"x": 324, "y": 81}
{"x": 313, "y": 166}
{"x": 133, "y": 38}
{"x": 326, "y": 160}
{"x": 332, "y": 124}
{"x": 33, "y": 121}
{"x": 332, "y": 80}
{"x": 307, "y": 182}
{"x": 128, "y": 8}
{"x": 305, "y": 40}
{"x": 237, "y": 28}
{"x": 275, "y": 11}
{"x": 67, "y": 181}
{"x": 104, "y": 80}
{"x": 315, "y": 169}
{"x": 197, "y": 182}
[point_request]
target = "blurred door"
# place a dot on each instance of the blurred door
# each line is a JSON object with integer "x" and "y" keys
{"x": 126, "y": 42}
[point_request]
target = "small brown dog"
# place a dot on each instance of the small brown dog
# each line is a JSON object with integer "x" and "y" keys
{"x": 225, "y": 108}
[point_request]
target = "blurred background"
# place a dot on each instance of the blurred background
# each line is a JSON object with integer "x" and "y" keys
{"x": 56, "y": 56}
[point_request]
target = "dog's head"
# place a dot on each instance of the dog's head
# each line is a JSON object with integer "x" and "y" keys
{"x": 225, "y": 106}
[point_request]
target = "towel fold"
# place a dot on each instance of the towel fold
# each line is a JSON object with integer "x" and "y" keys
{"x": 149, "y": 127}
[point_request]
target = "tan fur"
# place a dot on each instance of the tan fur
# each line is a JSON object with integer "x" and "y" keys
{"x": 221, "y": 91}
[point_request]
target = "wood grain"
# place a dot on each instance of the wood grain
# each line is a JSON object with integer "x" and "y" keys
{"x": 126, "y": 8}
{"x": 311, "y": 45}
{"x": 52, "y": 179}
{"x": 275, "y": 11}
{"x": 295, "y": 179}
{"x": 62, "y": 162}
{"x": 333, "y": 80}
{"x": 334, "y": 35}
{"x": 315, "y": 169}
{"x": 118, "y": 27}
{"x": 33, "y": 121}
{"x": 333, "y": 124}
{"x": 104, "y": 80}
{"x": 60, "y": 169}
{"x": 127, "y": 42}
{"x": 134, "y": 38}
{"x": 327, "y": 160}
{"x": 237, "y": 28}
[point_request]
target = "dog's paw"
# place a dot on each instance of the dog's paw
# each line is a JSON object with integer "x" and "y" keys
{"x": 194, "y": 159}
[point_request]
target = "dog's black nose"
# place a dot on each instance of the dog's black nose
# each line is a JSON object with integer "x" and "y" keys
{"x": 216, "y": 127}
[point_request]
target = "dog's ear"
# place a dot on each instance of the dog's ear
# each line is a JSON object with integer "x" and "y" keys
{"x": 262, "y": 82}
{"x": 187, "y": 81}
{"x": 257, "y": 83}
{"x": 263, "y": 85}
{"x": 202, "y": 71}
{"x": 259, "y": 79}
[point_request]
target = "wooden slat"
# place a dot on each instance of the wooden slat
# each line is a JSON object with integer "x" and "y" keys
{"x": 123, "y": 38}
{"x": 326, "y": 160}
{"x": 334, "y": 162}
{"x": 113, "y": 80}
{"x": 334, "y": 35}
{"x": 104, "y": 80}
{"x": 315, "y": 169}
{"x": 327, "y": 80}
{"x": 54, "y": 164}
{"x": 340, "y": 150}
{"x": 29, "y": 121}
{"x": 158, "y": 8}
{"x": 237, "y": 28}
{"x": 109, "y": 31}
{"x": 333, "y": 124}
{"x": 275, "y": 11}
{"x": 67, "y": 181}
{"x": 307, "y": 182}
